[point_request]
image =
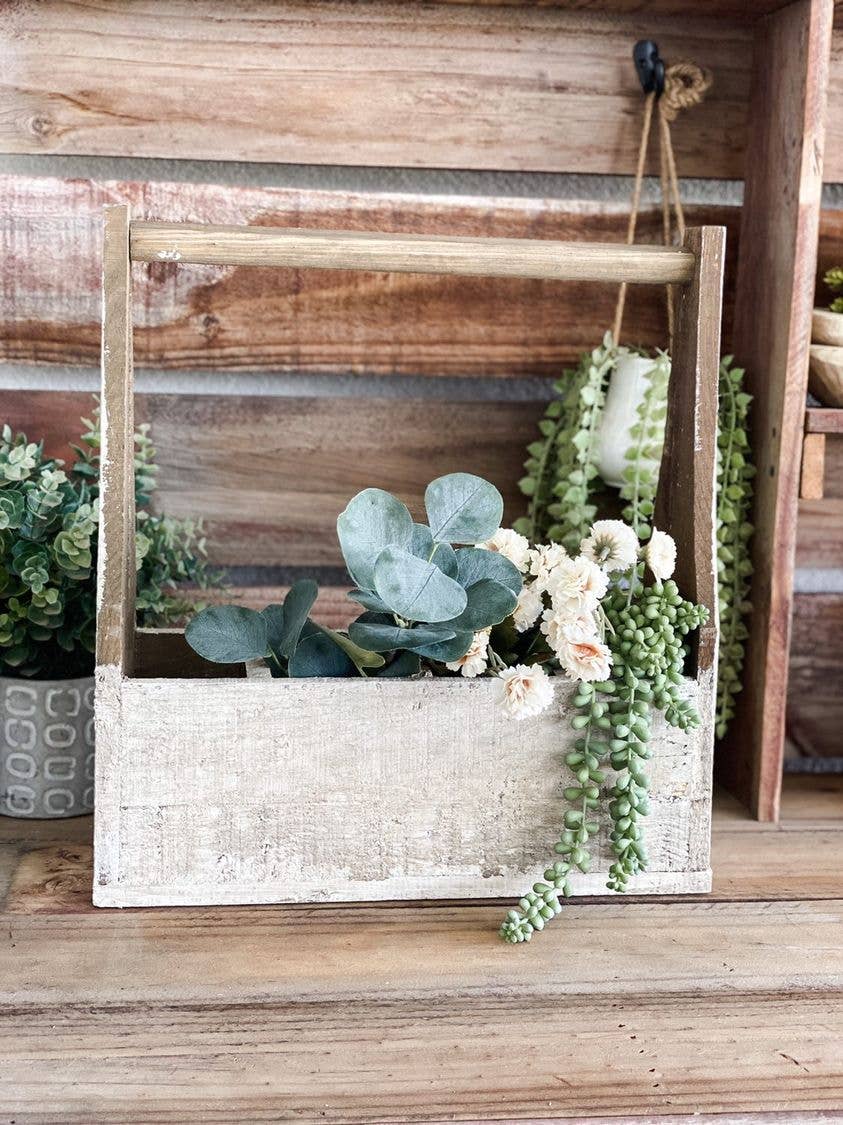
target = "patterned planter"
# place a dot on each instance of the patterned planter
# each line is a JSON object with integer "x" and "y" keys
{"x": 47, "y": 747}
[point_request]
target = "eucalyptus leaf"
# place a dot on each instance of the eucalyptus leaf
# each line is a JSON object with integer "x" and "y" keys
{"x": 318, "y": 655}
{"x": 273, "y": 615}
{"x": 416, "y": 590}
{"x": 443, "y": 555}
{"x": 297, "y": 605}
{"x": 384, "y": 636}
{"x": 488, "y": 604}
{"x": 421, "y": 542}
{"x": 452, "y": 649}
{"x": 362, "y": 657}
{"x": 404, "y": 665}
{"x": 228, "y": 634}
{"x": 462, "y": 508}
{"x": 368, "y": 599}
{"x": 372, "y": 520}
{"x": 475, "y": 564}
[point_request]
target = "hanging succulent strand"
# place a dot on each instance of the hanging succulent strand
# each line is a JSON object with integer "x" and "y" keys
{"x": 734, "y": 533}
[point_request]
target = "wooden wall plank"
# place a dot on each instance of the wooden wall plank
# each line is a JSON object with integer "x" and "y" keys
{"x": 313, "y": 320}
{"x": 814, "y": 698}
{"x": 271, "y": 474}
{"x": 819, "y": 540}
{"x": 325, "y": 82}
{"x": 498, "y": 451}
{"x": 834, "y": 119}
{"x": 776, "y": 268}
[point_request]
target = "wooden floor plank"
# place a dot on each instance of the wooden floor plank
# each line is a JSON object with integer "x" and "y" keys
{"x": 730, "y": 1005}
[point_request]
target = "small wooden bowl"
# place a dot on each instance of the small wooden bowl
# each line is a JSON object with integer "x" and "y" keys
{"x": 825, "y": 373}
{"x": 827, "y": 327}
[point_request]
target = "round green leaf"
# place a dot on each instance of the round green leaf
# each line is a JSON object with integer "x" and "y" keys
{"x": 386, "y": 637}
{"x": 453, "y": 649}
{"x": 318, "y": 655}
{"x": 462, "y": 508}
{"x": 374, "y": 519}
{"x": 415, "y": 589}
{"x": 227, "y": 634}
{"x": 489, "y": 603}
{"x": 475, "y": 564}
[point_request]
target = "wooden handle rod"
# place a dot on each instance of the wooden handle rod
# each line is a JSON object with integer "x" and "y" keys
{"x": 409, "y": 253}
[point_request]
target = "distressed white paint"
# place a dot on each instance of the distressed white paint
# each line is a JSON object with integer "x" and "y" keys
{"x": 250, "y": 791}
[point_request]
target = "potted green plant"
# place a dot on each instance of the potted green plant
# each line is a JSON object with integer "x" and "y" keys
{"x": 48, "y": 546}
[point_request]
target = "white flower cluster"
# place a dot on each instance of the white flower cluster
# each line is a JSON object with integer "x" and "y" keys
{"x": 563, "y": 595}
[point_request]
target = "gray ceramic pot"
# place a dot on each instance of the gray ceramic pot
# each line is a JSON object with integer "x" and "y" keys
{"x": 46, "y": 747}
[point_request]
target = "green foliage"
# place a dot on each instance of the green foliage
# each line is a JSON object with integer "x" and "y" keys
{"x": 640, "y": 479}
{"x": 834, "y": 280}
{"x": 48, "y": 546}
{"x": 734, "y": 532}
{"x": 425, "y": 593}
{"x": 646, "y": 627}
{"x": 563, "y": 522}
{"x": 423, "y": 597}
{"x": 561, "y": 468}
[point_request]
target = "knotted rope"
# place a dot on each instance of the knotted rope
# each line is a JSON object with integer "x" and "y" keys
{"x": 685, "y": 84}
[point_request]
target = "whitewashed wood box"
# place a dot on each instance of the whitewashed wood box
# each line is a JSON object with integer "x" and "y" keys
{"x": 217, "y": 788}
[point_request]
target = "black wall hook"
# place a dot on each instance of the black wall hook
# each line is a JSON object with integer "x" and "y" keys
{"x": 649, "y": 66}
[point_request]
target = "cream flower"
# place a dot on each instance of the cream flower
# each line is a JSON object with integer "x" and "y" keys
{"x": 543, "y": 560}
{"x": 612, "y": 544}
{"x": 577, "y": 585}
{"x": 554, "y": 623}
{"x": 524, "y": 691}
{"x": 660, "y": 554}
{"x": 473, "y": 662}
{"x": 528, "y": 608}
{"x": 582, "y": 655}
{"x": 511, "y": 545}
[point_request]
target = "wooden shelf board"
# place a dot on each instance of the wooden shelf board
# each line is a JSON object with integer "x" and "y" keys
{"x": 726, "y": 1003}
{"x": 824, "y": 420}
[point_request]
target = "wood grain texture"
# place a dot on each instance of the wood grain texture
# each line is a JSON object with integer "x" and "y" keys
{"x": 231, "y": 791}
{"x": 116, "y": 562}
{"x": 774, "y": 298}
{"x": 819, "y": 541}
{"x": 294, "y": 463}
{"x": 417, "y": 1013}
{"x": 813, "y": 467}
{"x": 685, "y": 503}
{"x": 214, "y": 245}
{"x": 815, "y": 701}
{"x": 201, "y": 317}
{"x": 453, "y": 86}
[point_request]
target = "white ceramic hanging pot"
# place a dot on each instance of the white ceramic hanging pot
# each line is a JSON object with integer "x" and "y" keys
{"x": 628, "y": 384}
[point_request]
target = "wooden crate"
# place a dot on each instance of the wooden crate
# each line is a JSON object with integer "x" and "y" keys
{"x": 220, "y": 789}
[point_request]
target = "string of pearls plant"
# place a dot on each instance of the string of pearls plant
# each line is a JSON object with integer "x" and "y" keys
{"x": 563, "y": 484}
{"x": 631, "y": 664}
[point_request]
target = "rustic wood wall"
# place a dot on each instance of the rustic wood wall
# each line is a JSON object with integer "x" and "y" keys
{"x": 231, "y": 360}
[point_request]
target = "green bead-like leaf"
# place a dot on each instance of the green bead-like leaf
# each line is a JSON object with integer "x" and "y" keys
{"x": 228, "y": 634}
{"x": 373, "y": 520}
{"x": 462, "y": 508}
{"x": 416, "y": 590}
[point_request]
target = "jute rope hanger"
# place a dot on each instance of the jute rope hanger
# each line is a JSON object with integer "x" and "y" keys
{"x": 685, "y": 84}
